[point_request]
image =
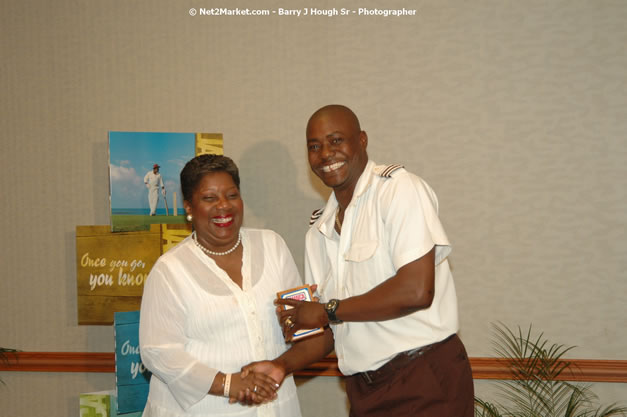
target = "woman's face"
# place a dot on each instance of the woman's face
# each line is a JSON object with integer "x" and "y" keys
{"x": 217, "y": 211}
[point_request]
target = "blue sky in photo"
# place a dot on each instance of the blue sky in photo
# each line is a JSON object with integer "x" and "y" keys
{"x": 132, "y": 155}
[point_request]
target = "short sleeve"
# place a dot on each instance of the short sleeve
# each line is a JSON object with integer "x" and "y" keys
{"x": 412, "y": 227}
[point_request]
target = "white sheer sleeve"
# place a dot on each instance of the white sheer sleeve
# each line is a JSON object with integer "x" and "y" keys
{"x": 162, "y": 340}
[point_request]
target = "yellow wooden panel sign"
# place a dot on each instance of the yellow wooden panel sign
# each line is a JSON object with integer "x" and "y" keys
{"x": 111, "y": 268}
{"x": 209, "y": 143}
{"x": 172, "y": 234}
{"x": 96, "y": 309}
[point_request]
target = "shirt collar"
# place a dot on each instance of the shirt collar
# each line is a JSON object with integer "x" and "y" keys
{"x": 365, "y": 179}
{"x": 326, "y": 224}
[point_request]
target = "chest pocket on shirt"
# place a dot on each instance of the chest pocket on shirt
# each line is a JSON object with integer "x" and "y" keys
{"x": 361, "y": 251}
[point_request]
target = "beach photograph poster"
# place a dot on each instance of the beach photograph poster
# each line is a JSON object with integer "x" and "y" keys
{"x": 144, "y": 169}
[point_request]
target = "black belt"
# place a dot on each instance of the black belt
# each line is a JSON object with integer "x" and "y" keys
{"x": 399, "y": 361}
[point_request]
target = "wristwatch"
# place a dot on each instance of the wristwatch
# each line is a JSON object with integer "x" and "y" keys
{"x": 330, "y": 308}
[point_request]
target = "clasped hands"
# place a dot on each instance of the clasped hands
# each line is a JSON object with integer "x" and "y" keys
{"x": 299, "y": 315}
{"x": 267, "y": 377}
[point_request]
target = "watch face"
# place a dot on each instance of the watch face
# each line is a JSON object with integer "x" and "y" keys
{"x": 330, "y": 308}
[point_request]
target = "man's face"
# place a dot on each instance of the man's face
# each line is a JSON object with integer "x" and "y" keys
{"x": 155, "y": 170}
{"x": 337, "y": 149}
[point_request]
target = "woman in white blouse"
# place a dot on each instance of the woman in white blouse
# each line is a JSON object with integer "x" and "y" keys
{"x": 207, "y": 308}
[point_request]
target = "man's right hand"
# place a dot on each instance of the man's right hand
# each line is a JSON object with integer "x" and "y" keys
{"x": 252, "y": 388}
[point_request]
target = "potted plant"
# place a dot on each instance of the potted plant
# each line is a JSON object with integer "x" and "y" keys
{"x": 535, "y": 390}
{"x": 4, "y": 358}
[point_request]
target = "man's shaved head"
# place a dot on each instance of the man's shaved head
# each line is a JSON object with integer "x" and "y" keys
{"x": 335, "y": 111}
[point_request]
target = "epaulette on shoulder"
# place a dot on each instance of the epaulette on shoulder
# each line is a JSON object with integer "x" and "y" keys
{"x": 387, "y": 171}
{"x": 315, "y": 216}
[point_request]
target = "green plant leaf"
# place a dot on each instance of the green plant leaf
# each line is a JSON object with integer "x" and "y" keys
{"x": 535, "y": 390}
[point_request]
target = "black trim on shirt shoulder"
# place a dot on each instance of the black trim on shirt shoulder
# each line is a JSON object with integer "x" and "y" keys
{"x": 315, "y": 216}
{"x": 389, "y": 170}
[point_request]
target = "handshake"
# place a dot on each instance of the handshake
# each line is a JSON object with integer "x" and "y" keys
{"x": 257, "y": 383}
{"x": 299, "y": 315}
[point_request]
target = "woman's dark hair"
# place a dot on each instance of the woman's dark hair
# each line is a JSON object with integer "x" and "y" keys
{"x": 201, "y": 165}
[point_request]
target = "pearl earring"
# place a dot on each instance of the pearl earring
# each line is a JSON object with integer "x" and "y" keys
{"x": 189, "y": 217}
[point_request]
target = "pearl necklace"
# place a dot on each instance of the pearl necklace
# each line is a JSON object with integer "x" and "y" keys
{"x": 210, "y": 252}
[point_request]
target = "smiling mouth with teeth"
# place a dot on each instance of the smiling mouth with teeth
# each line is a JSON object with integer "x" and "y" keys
{"x": 332, "y": 167}
{"x": 222, "y": 220}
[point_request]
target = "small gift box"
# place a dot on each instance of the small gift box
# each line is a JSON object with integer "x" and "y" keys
{"x": 301, "y": 294}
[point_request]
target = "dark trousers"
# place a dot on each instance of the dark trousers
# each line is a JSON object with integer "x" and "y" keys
{"x": 434, "y": 382}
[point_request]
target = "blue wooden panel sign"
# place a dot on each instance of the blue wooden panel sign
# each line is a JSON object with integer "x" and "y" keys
{"x": 132, "y": 378}
{"x": 114, "y": 407}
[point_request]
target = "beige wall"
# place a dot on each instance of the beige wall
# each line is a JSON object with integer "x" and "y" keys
{"x": 515, "y": 113}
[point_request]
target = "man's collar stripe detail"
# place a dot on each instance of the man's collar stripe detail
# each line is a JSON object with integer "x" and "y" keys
{"x": 315, "y": 216}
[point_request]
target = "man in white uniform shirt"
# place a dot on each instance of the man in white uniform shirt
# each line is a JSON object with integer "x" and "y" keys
{"x": 153, "y": 181}
{"x": 379, "y": 256}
